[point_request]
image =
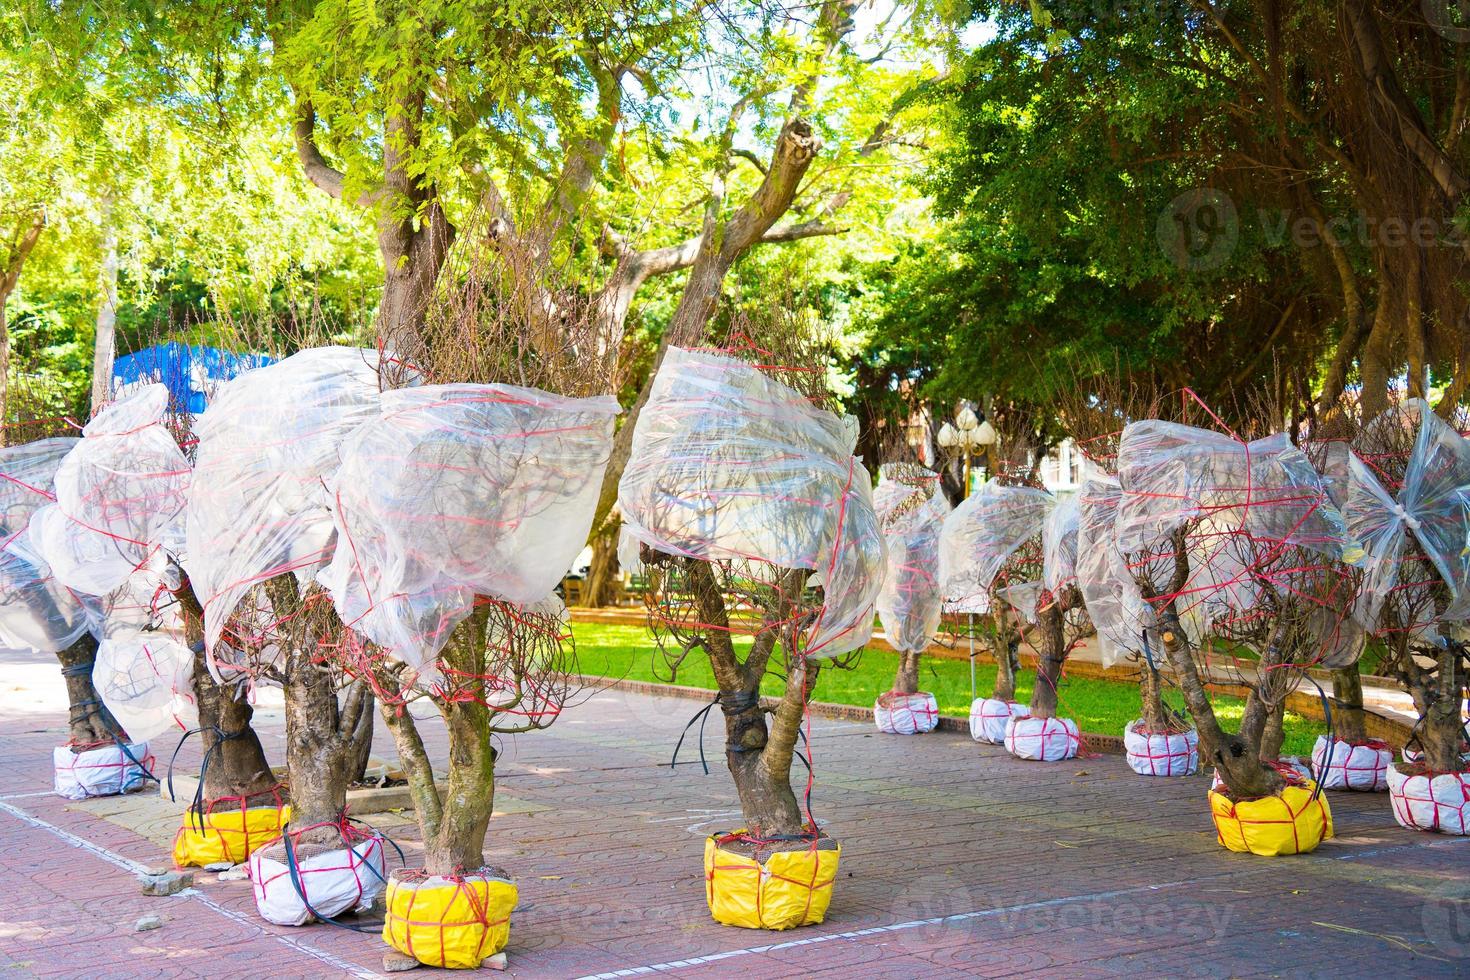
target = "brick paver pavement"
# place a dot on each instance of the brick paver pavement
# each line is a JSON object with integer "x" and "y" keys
{"x": 957, "y": 861}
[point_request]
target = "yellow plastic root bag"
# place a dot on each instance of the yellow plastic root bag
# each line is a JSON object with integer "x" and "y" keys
{"x": 785, "y": 890}
{"x": 1292, "y": 823}
{"x": 453, "y": 922}
{"x": 227, "y": 835}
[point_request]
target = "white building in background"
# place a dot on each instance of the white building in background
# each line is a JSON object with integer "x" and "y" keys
{"x": 1064, "y": 468}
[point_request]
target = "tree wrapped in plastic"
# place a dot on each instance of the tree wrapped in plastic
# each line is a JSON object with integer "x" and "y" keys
{"x": 911, "y": 509}
{"x": 990, "y": 552}
{"x": 38, "y": 612}
{"x": 1407, "y": 481}
{"x": 117, "y": 532}
{"x": 259, "y": 528}
{"x": 755, "y": 520}
{"x": 1054, "y": 608}
{"x": 1238, "y": 540}
{"x": 1161, "y": 742}
{"x": 458, "y": 506}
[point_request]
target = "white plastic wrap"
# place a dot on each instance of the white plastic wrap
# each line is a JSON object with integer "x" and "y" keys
{"x": 458, "y": 490}
{"x": 272, "y": 437}
{"x": 911, "y": 510}
{"x": 335, "y": 882}
{"x": 1161, "y": 754}
{"x": 980, "y": 535}
{"x": 1172, "y": 473}
{"x": 989, "y": 717}
{"x": 36, "y": 611}
{"x": 147, "y": 681}
{"x": 1363, "y": 766}
{"x": 1059, "y": 545}
{"x": 120, "y": 496}
{"x": 1042, "y": 739}
{"x": 729, "y": 463}
{"x": 906, "y": 714}
{"x": 1438, "y": 803}
{"x": 105, "y": 770}
{"x": 1433, "y": 505}
{"x": 1109, "y": 590}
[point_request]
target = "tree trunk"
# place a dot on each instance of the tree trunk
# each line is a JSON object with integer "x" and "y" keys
{"x": 15, "y": 260}
{"x": 767, "y": 802}
{"x": 1236, "y": 757}
{"x": 104, "y": 349}
{"x": 1005, "y": 647}
{"x": 360, "y": 751}
{"x": 317, "y": 752}
{"x": 89, "y": 721}
{"x": 907, "y": 679}
{"x": 1349, "y": 720}
{"x": 1443, "y": 732}
{"x": 459, "y": 844}
{"x": 237, "y": 763}
{"x": 1274, "y": 734}
{"x": 1151, "y": 696}
{"x": 600, "y": 589}
{"x": 1051, "y": 625}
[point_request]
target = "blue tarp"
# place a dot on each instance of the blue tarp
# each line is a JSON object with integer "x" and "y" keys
{"x": 191, "y": 373}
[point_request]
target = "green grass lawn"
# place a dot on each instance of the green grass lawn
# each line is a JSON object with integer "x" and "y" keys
{"x": 620, "y": 652}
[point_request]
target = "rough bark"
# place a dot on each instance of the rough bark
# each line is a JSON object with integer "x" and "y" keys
{"x": 906, "y": 681}
{"x": 88, "y": 721}
{"x": 459, "y": 843}
{"x": 1005, "y": 647}
{"x": 1151, "y": 697}
{"x": 1274, "y": 733}
{"x": 1051, "y": 655}
{"x": 600, "y": 588}
{"x": 237, "y": 762}
{"x": 1442, "y": 733}
{"x": 1349, "y": 720}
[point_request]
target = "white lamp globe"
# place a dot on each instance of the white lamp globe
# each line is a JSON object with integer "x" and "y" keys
{"x": 986, "y": 434}
{"x": 966, "y": 419}
{"x": 948, "y": 437}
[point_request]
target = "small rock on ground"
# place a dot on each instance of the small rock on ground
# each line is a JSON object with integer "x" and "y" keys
{"x": 237, "y": 872}
{"x": 396, "y": 962}
{"x": 168, "y": 883}
{"x": 496, "y": 962}
{"x": 218, "y": 866}
{"x": 148, "y": 923}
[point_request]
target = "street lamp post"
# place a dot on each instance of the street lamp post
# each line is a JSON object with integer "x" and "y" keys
{"x": 967, "y": 436}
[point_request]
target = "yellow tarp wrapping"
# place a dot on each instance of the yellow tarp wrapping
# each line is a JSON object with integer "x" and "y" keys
{"x": 449, "y": 922}
{"x": 788, "y": 889}
{"x": 1292, "y": 823}
{"x": 227, "y": 835}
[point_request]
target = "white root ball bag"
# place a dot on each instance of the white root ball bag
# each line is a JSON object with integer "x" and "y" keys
{"x": 989, "y": 717}
{"x": 104, "y": 771}
{"x": 334, "y": 882}
{"x": 906, "y": 714}
{"x": 1042, "y": 739}
{"x": 1161, "y": 753}
{"x": 1362, "y": 766}
{"x": 1437, "y": 803}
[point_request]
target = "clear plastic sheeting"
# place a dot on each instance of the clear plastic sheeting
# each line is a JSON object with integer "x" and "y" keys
{"x": 454, "y": 491}
{"x": 120, "y": 497}
{"x": 37, "y": 612}
{"x": 728, "y": 463}
{"x": 1059, "y": 545}
{"x": 147, "y": 681}
{"x": 258, "y": 506}
{"x": 1172, "y": 474}
{"x": 1114, "y": 601}
{"x": 980, "y": 535}
{"x": 911, "y": 510}
{"x": 1433, "y": 506}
